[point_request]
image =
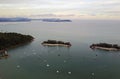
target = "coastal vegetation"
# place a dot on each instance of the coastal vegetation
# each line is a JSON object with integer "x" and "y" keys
{"x": 8, "y": 40}
{"x": 56, "y": 43}
{"x": 105, "y": 46}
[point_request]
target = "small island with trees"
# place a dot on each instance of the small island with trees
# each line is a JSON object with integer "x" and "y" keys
{"x": 106, "y": 46}
{"x": 56, "y": 43}
{"x": 9, "y": 40}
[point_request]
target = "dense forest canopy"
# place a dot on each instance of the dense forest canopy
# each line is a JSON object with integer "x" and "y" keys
{"x": 13, "y": 39}
{"x": 106, "y": 45}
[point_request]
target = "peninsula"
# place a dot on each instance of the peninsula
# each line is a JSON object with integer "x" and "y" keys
{"x": 56, "y": 43}
{"x": 105, "y": 46}
{"x": 8, "y": 40}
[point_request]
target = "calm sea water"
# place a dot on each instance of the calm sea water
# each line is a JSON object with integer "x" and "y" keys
{"x": 34, "y": 61}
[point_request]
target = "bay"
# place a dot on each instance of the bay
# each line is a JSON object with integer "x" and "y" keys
{"x": 34, "y": 61}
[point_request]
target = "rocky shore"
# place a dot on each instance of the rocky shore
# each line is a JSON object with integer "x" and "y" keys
{"x": 105, "y": 46}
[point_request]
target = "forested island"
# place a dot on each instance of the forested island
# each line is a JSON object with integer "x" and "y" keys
{"x": 56, "y": 43}
{"x": 8, "y": 40}
{"x": 106, "y": 46}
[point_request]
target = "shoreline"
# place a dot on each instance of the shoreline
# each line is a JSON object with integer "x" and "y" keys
{"x": 12, "y": 40}
{"x": 45, "y": 44}
{"x": 105, "y": 48}
{"x": 56, "y": 43}
{"x": 21, "y": 44}
{"x": 12, "y": 47}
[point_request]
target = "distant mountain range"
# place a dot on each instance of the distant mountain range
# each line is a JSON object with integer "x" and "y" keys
{"x": 20, "y": 19}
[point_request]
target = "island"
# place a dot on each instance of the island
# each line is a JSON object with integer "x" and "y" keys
{"x": 9, "y": 40}
{"x": 56, "y": 43}
{"x": 25, "y": 19}
{"x": 16, "y": 19}
{"x": 56, "y": 20}
{"x": 105, "y": 46}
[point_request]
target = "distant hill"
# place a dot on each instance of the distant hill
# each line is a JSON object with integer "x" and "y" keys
{"x": 52, "y": 20}
{"x": 56, "y": 20}
{"x": 22, "y": 19}
{"x": 17, "y": 19}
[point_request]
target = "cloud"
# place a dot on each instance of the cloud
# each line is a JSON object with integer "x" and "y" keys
{"x": 52, "y": 15}
{"x": 61, "y": 8}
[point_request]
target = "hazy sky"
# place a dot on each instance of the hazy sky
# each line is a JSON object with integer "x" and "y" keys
{"x": 88, "y": 9}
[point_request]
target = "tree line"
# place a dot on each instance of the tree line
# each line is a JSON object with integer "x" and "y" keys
{"x": 12, "y": 39}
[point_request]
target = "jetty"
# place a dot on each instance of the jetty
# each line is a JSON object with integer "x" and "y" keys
{"x": 105, "y": 46}
{"x": 56, "y": 43}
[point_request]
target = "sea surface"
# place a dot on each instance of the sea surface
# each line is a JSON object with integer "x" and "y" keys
{"x": 34, "y": 61}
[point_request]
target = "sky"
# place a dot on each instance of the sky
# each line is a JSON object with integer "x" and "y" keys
{"x": 81, "y": 9}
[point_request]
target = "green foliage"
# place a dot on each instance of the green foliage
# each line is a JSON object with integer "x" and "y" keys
{"x": 12, "y": 39}
{"x": 106, "y": 45}
{"x": 56, "y": 42}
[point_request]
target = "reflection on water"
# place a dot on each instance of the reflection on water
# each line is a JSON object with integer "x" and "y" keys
{"x": 5, "y": 57}
{"x": 35, "y": 61}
